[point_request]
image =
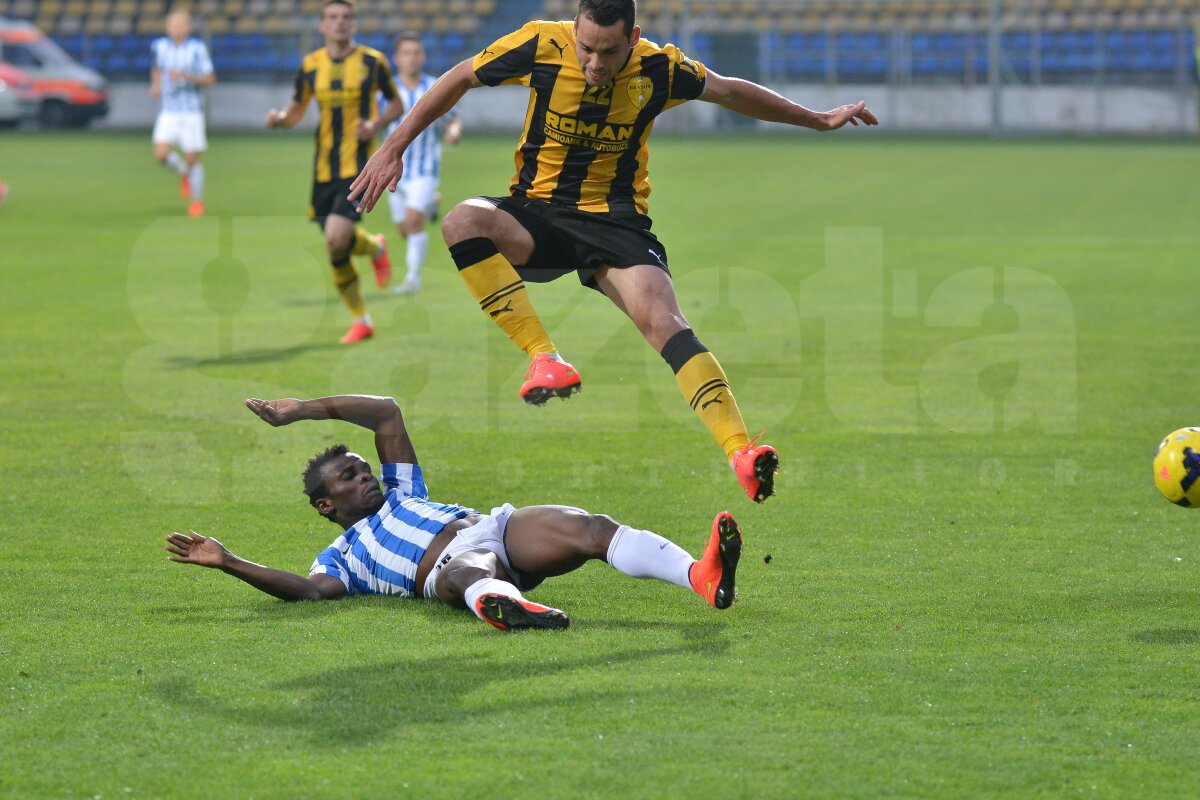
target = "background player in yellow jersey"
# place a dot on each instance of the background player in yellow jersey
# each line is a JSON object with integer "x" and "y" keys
{"x": 579, "y": 199}
{"x": 346, "y": 79}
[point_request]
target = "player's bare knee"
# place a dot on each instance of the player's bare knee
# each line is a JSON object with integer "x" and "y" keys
{"x": 464, "y": 570}
{"x": 465, "y": 221}
{"x": 600, "y": 529}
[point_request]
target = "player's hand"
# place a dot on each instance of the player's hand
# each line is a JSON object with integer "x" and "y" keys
{"x": 155, "y": 92}
{"x": 365, "y": 130}
{"x": 176, "y": 75}
{"x": 274, "y": 118}
{"x": 382, "y": 172}
{"x": 192, "y": 548}
{"x": 277, "y": 412}
{"x": 453, "y": 133}
{"x": 851, "y": 112}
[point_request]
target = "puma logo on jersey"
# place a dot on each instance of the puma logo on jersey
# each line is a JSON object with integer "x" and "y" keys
{"x": 716, "y": 399}
{"x": 499, "y": 311}
{"x": 487, "y": 53}
{"x": 560, "y": 47}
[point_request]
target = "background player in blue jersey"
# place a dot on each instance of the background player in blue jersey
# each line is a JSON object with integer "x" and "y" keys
{"x": 415, "y": 200}
{"x": 397, "y": 541}
{"x": 181, "y": 70}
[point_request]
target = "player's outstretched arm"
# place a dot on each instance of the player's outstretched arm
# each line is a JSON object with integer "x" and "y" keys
{"x": 204, "y": 551}
{"x": 752, "y": 100}
{"x": 383, "y": 170}
{"x": 379, "y": 414}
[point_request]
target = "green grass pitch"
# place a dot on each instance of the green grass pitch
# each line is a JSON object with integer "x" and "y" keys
{"x": 965, "y": 351}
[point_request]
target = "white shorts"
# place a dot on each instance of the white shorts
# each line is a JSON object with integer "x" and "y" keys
{"x": 419, "y": 194}
{"x": 488, "y": 534}
{"x": 183, "y": 129}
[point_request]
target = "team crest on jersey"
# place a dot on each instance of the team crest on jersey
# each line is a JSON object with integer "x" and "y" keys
{"x": 640, "y": 89}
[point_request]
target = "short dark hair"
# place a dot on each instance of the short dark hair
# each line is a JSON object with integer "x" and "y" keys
{"x": 409, "y": 36}
{"x": 348, "y": 3}
{"x": 314, "y": 473}
{"x": 608, "y": 12}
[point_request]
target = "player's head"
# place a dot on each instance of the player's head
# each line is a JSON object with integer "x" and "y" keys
{"x": 179, "y": 25}
{"x": 410, "y": 54}
{"x": 341, "y": 487}
{"x": 339, "y": 21}
{"x": 605, "y": 33}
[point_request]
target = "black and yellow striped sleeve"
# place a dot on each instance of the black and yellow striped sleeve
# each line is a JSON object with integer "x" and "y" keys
{"x": 509, "y": 60}
{"x": 687, "y": 77}
{"x": 302, "y": 86}
{"x": 383, "y": 80}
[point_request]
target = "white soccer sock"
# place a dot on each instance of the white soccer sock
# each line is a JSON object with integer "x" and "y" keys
{"x": 196, "y": 177}
{"x": 418, "y": 246}
{"x": 489, "y": 586}
{"x": 645, "y": 554}
{"x": 175, "y": 162}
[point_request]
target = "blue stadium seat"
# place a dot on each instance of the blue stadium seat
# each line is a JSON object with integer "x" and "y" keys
{"x": 116, "y": 63}
{"x": 455, "y": 43}
{"x": 102, "y": 45}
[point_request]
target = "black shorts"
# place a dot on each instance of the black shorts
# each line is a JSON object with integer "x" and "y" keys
{"x": 329, "y": 197}
{"x": 568, "y": 240}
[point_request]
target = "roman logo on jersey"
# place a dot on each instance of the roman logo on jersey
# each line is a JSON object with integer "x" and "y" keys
{"x": 640, "y": 90}
{"x": 603, "y": 137}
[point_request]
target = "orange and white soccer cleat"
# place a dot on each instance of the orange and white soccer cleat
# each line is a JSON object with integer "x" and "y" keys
{"x": 713, "y": 576}
{"x": 381, "y": 263}
{"x": 548, "y": 377}
{"x": 510, "y": 614}
{"x": 358, "y": 331}
{"x": 196, "y": 208}
{"x": 755, "y": 468}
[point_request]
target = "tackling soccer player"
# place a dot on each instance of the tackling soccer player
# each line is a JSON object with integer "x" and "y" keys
{"x": 346, "y": 79}
{"x": 578, "y": 201}
{"x": 182, "y": 68}
{"x": 395, "y": 540}
{"x": 415, "y": 199}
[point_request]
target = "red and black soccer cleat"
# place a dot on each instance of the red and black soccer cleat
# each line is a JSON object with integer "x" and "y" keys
{"x": 510, "y": 614}
{"x": 381, "y": 263}
{"x": 548, "y": 377}
{"x": 713, "y": 576}
{"x": 755, "y": 468}
{"x": 358, "y": 331}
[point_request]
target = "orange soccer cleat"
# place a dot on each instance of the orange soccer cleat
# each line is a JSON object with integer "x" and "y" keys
{"x": 511, "y": 614}
{"x": 755, "y": 468}
{"x": 713, "y": 576}
{"x": 196, "y": 208}
{"x": 549, "y": 377}
{"x": 358, "y": 331}
{"x": 381, "y": 262}
{"x": 185, "y": 186}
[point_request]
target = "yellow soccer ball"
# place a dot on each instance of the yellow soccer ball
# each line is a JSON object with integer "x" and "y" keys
{"x": 1177, "y": 467}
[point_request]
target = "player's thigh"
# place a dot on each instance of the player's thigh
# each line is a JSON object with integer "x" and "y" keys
{"x": 339, "y": 232}
{"x": 397, "y": 205}
{"x": 465, "y": 569}
{"x": 647, "y": 294}
{"x": 192, "y": 137}
{"x": 551, "y": 540}
{"x": 166, "y": 132}
{"x": 478, "y": 218}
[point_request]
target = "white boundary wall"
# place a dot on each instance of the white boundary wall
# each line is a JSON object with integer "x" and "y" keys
{"x": 1045, "y": 109}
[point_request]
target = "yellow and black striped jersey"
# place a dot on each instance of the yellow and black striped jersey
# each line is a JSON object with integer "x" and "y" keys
{"x": 582, "y": 146}
{"x": 346, "y": 90}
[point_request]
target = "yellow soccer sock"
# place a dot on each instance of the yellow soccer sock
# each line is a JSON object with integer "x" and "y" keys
{"x": 501, "y": 294}
{"x": 703, "y": 385}
{"x": 365, "y": 243}
{"x": 345, "y": 278}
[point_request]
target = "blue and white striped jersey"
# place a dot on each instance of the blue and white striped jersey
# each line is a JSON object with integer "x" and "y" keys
{"x": 380, "y": 554}
{"x": 192, "y": 58}
{"x": 423, "y": 158}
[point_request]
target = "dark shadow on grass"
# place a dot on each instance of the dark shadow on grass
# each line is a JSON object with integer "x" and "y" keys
{"x": 262, "y": 611}
{"x": 364, "y": 698}
{"x": 1168, "y": 636}
{"x": 257, "y": 356}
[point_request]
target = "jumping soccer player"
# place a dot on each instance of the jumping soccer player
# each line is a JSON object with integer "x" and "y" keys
{"x": 345, "y": 78}
{"x": 415, "y": 200}
{"x": 579, "y": 199}
{"x": 180, "y": 72}
{"x": 397, "y": 541}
